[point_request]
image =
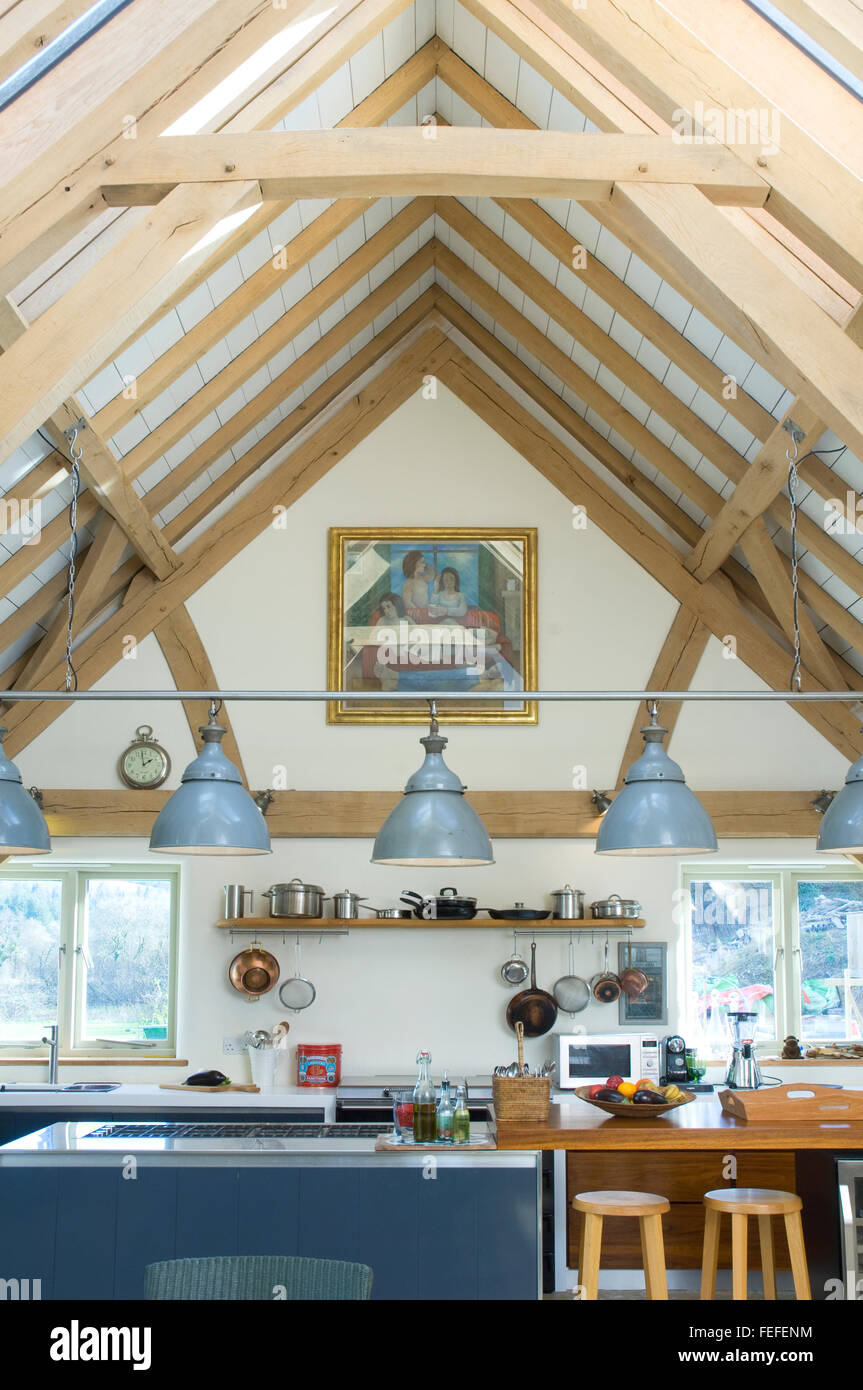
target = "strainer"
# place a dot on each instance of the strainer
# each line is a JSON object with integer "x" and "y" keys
{"x": 297, "y": 993}
{"x": 571, "y": 992}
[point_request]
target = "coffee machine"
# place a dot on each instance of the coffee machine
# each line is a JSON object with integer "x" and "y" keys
{"x": 744, "y": 1073}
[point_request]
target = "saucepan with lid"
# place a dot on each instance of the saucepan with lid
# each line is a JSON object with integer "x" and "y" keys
{"x": 567, "y": 903}
{"x": 295, "y": 899}
{"x": 615, "y": 906}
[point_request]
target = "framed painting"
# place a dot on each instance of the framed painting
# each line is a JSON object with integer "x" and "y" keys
{"x": 652, "y": 1005}
{"x": 446, "y": 610}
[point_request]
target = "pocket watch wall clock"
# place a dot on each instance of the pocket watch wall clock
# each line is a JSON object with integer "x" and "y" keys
{"x": 144, "y": 764}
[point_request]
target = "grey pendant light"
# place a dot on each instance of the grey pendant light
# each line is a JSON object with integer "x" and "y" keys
{"x": 210, "y": 812}
{"x": 22, "y": 825}
{"x": 655, "y": 812}
{"x": 842, "y": 824}
{"x": 433, "y": 823}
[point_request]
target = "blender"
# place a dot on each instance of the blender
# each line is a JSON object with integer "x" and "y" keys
{"x": 744, "y": 1073}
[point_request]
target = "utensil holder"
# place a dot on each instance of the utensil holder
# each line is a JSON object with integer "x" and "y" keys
{"x": 521, "y": 1097}
{"x": 263, "y": 1063}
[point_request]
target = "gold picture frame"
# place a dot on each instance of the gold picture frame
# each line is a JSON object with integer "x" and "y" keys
{"x": 448, "y": 608}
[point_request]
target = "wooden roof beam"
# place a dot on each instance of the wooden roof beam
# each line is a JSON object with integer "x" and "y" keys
{"x": 191, "y": 669}
{"x": 246, "y": 519}
{"x": 617, "y": 519}
{"x": 406, "y": 161}
{"x": 674, "y": 72}
{"x": 82, "y": 330}
{"x": 101, "y": 471}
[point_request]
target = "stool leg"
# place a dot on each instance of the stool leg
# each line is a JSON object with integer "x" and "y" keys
{"x": 768, "y": 1263}
{"x": 653, "y": 1255}
{"x": 588, "y": 1264}
{"x": 739, "y": 1232}
{"x": 797, "y": 1250}
{"x": 710, "y": 1258}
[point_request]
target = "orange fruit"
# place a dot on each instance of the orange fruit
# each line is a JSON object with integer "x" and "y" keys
{"x": 627, "y": 1088}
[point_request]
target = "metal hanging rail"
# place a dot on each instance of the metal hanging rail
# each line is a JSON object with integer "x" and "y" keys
{"x": 468, "y": 696}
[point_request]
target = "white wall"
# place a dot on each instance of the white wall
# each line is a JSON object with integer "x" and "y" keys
{"x": 602, "y": 620}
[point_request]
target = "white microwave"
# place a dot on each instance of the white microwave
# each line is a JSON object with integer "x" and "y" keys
{"x": 585, "y": 1058}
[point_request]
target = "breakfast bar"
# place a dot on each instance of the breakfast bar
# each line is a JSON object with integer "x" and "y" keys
{"x": 681, "y": 1155}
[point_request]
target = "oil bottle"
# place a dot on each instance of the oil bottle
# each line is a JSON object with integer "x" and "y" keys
{"x": 424, "y": 1102}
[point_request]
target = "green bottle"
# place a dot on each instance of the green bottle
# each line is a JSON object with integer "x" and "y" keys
{"x": 444, "y": 1115}
{"x": 461, "y": 1118}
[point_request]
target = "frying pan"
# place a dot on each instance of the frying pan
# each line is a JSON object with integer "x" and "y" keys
{"x": 533, "y": 1007}
{"x": 518, "y": 913}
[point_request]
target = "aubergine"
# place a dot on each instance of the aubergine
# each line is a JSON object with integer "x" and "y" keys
{"x": 208, "y": 1078}
{"x": 648, "y": 1098}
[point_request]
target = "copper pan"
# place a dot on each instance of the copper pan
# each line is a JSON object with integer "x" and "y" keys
{"x": 254, "y": 971}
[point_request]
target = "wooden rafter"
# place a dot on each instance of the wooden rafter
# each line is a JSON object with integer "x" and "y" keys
{"x": 673, "y": 71}
{"x": 673, "y": 669}
{"x": 56, "y": 197}
{"x": 709, "y": 601}
{"x": 765, "y": 478}
{"x": 26, "y": 27}
{"x": 405, "y": 161}
{"x": 560, "y": 815}
{"x": 154, "y": 599}
{"x": 99, "y": 468}
{"x": 82, "y": 329}
{"x": 191, "y": 669}
{"x": 837, "y": 25}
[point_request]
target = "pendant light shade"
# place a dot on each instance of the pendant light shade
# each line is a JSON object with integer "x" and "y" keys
{"x": 655, "y": 812}
{"x": 210, "y": 812}
{"x": 842, "y": 825}
{"x": 22, "y": 825}
{"x": 433, "y": 823}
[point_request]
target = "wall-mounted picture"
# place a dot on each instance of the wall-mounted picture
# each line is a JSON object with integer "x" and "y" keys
{"x": 652, "y": 1005}
{"x": 446, "y": 610}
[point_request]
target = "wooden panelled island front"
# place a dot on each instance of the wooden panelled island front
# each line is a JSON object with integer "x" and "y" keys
{"x": 681, "y": 1156}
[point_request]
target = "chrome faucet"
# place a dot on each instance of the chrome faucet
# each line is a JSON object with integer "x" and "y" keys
{"x": 52, "y": 1044}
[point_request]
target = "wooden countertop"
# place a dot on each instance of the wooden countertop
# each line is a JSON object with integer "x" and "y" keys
{"x": 700, "y": 1125}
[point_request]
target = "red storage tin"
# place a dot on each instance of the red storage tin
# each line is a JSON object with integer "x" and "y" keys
{"x": 319, "y": 1064}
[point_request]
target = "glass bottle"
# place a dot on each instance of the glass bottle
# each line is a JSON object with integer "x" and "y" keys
{"x": 461, "y": 1118}
{"x": 424, "y": 1102}
{"x": 444, "y": 1115}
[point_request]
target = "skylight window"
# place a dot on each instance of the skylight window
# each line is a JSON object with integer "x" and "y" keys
{"x": 775, "y": 16}
{"x": 59, "y": 48}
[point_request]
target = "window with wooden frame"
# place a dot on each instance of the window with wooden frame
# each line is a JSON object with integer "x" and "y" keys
{"x": 94, "y": 950}
{"x": 785, "y": 942}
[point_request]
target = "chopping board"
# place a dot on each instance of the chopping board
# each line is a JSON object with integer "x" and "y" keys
{"x": 167, "y": 1086}
{"x": 385, "y": 1144}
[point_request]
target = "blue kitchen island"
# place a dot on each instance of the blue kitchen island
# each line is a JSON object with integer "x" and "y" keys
{"x": 85, "y": 1206}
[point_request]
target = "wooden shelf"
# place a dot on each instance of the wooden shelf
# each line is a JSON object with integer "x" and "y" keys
{"x": 312, "y": 924}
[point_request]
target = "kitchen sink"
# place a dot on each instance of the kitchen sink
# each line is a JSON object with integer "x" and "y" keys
{"x": 47, "y": 1086}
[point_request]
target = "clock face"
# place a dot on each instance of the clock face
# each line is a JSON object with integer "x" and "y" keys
{"x": 144, "y": 765}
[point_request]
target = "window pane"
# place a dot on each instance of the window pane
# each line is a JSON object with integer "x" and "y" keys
{"x": 29, "y": 956}
{"x": 128, "y": 937}
{"x": 732, "y": 952}
{"x": 830, "y": 914}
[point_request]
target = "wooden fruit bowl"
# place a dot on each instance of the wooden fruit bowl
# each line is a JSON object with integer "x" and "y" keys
{"x": 633, "y": 1112}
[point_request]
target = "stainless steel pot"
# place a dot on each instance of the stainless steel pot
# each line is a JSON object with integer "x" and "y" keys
{"x": 347, "y": 904}
{"x": 295, "y": 899}
{"x": 567, "y": 903}
{"x": 615, "y": 906}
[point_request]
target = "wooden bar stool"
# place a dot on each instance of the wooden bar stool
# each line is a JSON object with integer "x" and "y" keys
{"x": 741, "y": 1203}
{"x": 648, "y": 1208}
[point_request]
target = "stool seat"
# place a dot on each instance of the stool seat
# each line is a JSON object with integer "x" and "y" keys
{"x": 762, "y": 1203}
{"x": 621, "y": 1203}
{"x": 647, "y": 1209}
{"x": 752, "y": 1201}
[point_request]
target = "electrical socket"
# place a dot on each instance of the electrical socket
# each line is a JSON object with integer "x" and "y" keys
{"x": 233, "y": 1046}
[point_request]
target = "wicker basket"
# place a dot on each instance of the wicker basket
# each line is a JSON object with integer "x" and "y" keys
{"x": 521, "y": 1097}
